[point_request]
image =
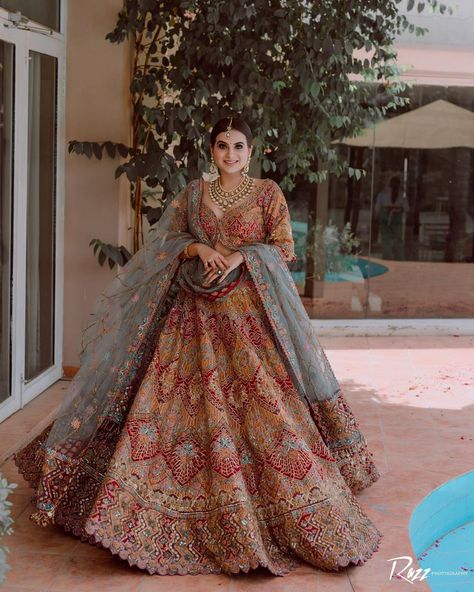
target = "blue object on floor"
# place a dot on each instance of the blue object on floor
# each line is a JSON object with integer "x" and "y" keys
{"x": 442, "y": 535}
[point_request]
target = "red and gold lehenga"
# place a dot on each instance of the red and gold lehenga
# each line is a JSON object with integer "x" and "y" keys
{"x": 218, "y": 464}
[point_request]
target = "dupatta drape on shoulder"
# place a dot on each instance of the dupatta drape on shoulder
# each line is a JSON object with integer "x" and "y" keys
{"x": 123, "y": 329}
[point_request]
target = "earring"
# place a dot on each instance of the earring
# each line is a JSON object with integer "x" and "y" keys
{"x": 246, "y": 168}
{"x": 212, "y": 168}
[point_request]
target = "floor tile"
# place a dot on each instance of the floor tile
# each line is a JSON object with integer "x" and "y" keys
{"x": 413, "y": 399}
{"x": 35, "y": 570}
{"x": 83, "y": 574}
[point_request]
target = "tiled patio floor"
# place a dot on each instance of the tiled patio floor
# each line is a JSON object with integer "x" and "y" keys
{"x": 414, "y": 399}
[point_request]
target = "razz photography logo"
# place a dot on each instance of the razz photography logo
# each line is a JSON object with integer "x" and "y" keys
{"x": 406, "y": 572}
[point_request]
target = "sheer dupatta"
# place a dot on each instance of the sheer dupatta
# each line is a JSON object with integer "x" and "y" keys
{"x": 120, "y": 338}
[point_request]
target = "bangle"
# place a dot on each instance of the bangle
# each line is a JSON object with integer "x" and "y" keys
{"x": 186, "y": 253}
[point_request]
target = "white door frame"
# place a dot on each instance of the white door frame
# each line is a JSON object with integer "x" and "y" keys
{"x": 54, "y": 45}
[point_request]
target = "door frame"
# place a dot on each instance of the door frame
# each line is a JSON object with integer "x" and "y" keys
{"x": 24, "y": 41}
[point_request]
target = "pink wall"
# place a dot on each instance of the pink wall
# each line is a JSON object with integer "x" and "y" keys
{"x": 447, "y": 66}
{"x": 97, "y": 108}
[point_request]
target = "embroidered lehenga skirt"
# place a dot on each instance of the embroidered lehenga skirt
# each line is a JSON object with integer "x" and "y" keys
{"x": 221, "y": 466}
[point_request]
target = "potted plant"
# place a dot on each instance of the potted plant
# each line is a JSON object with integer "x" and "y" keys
{"x": 337, "y": 252}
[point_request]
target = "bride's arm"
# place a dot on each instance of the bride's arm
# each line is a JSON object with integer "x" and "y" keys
{"x": 278, "y": 225}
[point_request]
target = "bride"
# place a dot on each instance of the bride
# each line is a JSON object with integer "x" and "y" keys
{"x": 205, "y": 431}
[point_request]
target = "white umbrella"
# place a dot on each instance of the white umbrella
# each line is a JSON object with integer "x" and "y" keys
{"x": 437, "y": 125}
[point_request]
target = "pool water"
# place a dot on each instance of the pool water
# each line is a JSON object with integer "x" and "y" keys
{"x": 361, "y": 270}
{"x": 370, "y": 268}
{"x": 453, "y": 553}
{"x": 442, "y": 535}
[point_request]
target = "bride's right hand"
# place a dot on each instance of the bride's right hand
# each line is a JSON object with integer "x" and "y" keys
{"x": 211, "y": 258}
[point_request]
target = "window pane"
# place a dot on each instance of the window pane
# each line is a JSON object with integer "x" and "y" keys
{"x": 6, "y": 176}
{"x": 399, "y": 241}
{"x": 424, "y": 215}
{"x": 45, "y": 12}
{"x": 41, "y": 214}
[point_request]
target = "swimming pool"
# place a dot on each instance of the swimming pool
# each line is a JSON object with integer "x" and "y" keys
{"x": 442, "y": 535}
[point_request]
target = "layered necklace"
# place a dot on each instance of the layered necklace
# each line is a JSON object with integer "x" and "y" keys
{"x": 226, "y": 199}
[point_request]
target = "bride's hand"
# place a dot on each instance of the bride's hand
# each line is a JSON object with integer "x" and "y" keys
{"x": 212, "y": 259}
{"x": 233, "y": 260}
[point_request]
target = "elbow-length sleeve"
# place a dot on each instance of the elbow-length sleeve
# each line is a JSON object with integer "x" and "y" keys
{"x": 278, "y": 225}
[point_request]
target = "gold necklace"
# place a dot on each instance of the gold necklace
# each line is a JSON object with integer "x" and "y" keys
{"x": 225, "y": 199}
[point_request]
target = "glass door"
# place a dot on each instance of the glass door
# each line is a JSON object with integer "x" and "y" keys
{"x": 40, "y": 231}
{"x": 7, "y": 99}
{"x": 32, "y": 83}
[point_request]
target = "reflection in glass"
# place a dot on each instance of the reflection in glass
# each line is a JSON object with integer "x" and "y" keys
{"x": 41, "y": 214}
{"x": 44, "y": 12}
{"x": 6, "y": 177}
{"x": 431, "y": 153}
{"x": 399, "y": 241}
{"x": 414, "y": 216}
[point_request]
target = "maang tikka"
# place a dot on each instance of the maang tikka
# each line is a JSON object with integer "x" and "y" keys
{"x": 229, "y": 127}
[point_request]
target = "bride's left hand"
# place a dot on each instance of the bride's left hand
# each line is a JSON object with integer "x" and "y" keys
{"x": 234, "y": 260}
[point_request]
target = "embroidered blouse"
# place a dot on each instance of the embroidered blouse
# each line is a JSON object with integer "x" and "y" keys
{"x": 262, "y": 216}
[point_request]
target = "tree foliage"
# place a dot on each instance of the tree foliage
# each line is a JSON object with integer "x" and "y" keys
{"x": 6, "y": 522}
{"x": 289, "y": 68}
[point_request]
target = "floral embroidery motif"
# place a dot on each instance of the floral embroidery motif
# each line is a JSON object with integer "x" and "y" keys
{"x": 224, "y": 458}
{"x": 185, "y": 459}
{"x": 143, "y": 433}
{"x": 290, "y": 455}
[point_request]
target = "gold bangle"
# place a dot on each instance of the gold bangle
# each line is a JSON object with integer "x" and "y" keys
{"x": 186, "y": 252}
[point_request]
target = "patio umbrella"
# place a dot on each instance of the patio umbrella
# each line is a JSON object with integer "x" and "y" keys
{"x": 439, "y": 124}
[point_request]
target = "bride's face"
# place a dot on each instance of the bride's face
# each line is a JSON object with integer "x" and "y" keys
{"x": 231, "y": 154}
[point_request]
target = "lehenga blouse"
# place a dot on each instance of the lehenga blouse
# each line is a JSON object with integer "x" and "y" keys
{"x": 262, "y": 216}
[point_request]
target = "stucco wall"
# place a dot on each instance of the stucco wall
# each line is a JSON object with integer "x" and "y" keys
{"x": 97, "y": 108}
{"x": 449, "y": 30}
{"x": 444, "y": 55}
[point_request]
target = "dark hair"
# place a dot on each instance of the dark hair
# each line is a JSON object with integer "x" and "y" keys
{"x": 394, "y": 184}
{"x": 237, "y": 123}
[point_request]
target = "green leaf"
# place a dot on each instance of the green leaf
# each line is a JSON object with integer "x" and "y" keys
{"x": 87, "y": 149}
{"x": 119, "y": 171}
{"x": 110, "y": 149}
{"x": 97, "y": 150}
{"x": 315, "y": 89}
{"x": 123, "y": 150}
{"x": 102, "y": 257}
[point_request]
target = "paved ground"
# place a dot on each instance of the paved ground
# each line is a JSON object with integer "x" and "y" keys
{"x": 414, "y": 399}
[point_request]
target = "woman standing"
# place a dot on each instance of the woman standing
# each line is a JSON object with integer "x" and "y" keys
{"x": 205, "y": 431}
{"x": 390, "y": 206}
